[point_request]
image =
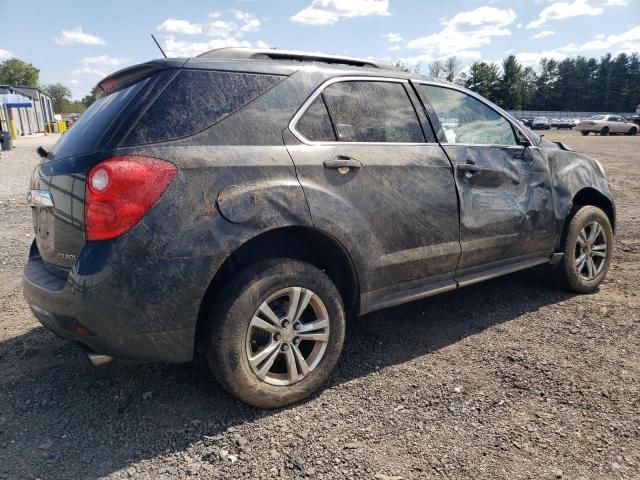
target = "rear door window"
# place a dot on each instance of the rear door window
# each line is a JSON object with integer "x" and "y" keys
{"x": 315, "y": 124}
{"x": 372, "y": 111}
{"x": 195, "y": 100}
{"x": 465, "y": 119}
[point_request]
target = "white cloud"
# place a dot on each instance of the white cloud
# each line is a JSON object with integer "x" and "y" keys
{"x": 171, "y": 25}
{"x": 394, "y": 48}
{"x": 575, "y": 8}
{"x": 181, "y": 48}
{"x": 73, "y": 81}
{"x": 76, "y": 35}
{"x": 328, "y": 12}
{"x": 105, "y": 60}
{"x": 393, "y": 37}
{"x": 219, "y": 29}
{"x": 542, "y": 34}
{"x": 463, "y": 34}
{"x": 628, "y": 41}
{"x": 5, "y": 53}
{"x": 89, "y": 71}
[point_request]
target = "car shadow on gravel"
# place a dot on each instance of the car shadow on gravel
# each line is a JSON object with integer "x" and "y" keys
{"x": 60, "y": 418}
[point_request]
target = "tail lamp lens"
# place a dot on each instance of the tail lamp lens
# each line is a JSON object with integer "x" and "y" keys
{"x": 120, "y": 191}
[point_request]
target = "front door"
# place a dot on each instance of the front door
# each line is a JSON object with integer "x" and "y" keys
{"x": 506, "y": 207}
{"x": 375, "y": 183}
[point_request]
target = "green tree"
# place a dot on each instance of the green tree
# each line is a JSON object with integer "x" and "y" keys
{"x": 18, "y": 73}
{"x": 87, "y": 100}
{"x": 58, "y": 93}
{"x": 484, "y": 79}
{"x": 512, "y": 78}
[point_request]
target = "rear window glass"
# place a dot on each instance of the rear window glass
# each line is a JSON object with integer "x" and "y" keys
{"x": 94, "y": 122}
{"x": 368, "y": 111}
{"x": 195, "y": 100}
{"x": 315, "y": 124}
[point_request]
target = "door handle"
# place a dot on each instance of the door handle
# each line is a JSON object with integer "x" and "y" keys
{"x": 469, "y": 168}
{"x": 341, "y": 162}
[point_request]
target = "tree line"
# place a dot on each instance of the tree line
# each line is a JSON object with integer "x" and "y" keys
{"x": 606, "y": 84}
{"x": 17, "y": 73}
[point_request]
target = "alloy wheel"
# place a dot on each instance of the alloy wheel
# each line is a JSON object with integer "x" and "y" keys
{"x": 591, "y": 251}
{"x": 287, "y": 336}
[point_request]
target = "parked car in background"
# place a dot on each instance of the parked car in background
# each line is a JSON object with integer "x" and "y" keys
{"x": 606, "y": 125}
{"x": 553, "y": 123}
{"x": 247, "y": 200}
{"x": 540, "y": 123}
{"x": 526, "y": 122}
{"x": 565, "y": 123}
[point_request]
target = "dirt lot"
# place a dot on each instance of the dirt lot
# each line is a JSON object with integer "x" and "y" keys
{"x": 508, "y": 379}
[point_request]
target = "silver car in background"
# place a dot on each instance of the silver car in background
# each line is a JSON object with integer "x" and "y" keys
{"x": 606, "y": 124}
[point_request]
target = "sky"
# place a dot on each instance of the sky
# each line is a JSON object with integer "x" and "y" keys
{"x": 79, "y": 42}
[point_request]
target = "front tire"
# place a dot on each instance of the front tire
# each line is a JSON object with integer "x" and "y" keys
{"x": 584, "y": 133}
{"x": 587, "y": 249}
{"x": 632, "y": 131}
{"x": 276, "y": 333}
{"x": 604, "y": 132}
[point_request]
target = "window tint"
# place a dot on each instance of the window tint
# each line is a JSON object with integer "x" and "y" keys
{"x": 87, "y": 132}
{"x": 372, "y": 112}
{"x": 195, "y": 100}
{"x": 467, "y": 120}
{"x": 315, "y": 124}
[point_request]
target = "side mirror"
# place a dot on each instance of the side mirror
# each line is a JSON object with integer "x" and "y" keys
{"x": 43, "y": 152}
{"x": 525, "y": 142}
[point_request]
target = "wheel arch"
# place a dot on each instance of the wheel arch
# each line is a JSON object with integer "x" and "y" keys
{"x": 588, "y": 196}
{"x": 307, "y": 244}
{"x": 591, "y": 196}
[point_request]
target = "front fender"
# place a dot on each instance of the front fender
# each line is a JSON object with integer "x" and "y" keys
{"x": 574, "y": 174}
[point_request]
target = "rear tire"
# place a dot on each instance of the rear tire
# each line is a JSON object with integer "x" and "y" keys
{"x": 257, "y": 352}
{"x": 584, "y": 133}
{"x": 604, "y": 132}
{"x": 587, "y": 249}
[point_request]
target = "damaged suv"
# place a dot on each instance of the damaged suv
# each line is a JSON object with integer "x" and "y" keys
{"x": 247, "y": 200}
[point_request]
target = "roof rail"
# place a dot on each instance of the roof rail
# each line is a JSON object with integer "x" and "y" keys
{"x": 291, "y": 55}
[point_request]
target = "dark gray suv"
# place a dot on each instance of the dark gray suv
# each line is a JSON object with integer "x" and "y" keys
{"x": 250, "y": 199}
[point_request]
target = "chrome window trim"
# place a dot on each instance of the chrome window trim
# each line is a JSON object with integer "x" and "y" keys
{"x": 303, "y": 109}
{"x": 482, "y": 100}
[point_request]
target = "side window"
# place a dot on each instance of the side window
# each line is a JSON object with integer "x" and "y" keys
{"x": 315, "y": 124}
{"x": 465, "y": 119}
{"x": 369, "y": 111}
{"x": 195, "y": 100}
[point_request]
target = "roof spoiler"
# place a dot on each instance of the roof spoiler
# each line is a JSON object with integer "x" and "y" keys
{"x": 291, "y": 55}
{"x": 130, "y": 75}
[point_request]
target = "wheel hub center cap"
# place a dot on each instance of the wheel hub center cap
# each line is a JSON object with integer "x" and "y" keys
{"x": 287, "y": 335}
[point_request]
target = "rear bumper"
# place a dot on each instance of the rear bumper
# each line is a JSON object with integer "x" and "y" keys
{"x": 105, "y": 313}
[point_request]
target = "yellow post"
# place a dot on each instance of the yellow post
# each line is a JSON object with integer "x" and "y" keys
{"x": 62, "y": 126}
{"x": 12, "y": 127}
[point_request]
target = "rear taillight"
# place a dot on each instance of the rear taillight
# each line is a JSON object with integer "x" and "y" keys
{"x": 120, "y": 191}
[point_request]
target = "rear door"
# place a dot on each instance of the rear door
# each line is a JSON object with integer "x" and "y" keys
{"x": 378, "y": 181}
{"x": 506, "y": 208}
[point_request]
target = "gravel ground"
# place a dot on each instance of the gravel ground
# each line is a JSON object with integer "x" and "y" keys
{"x": 508, "y": 379}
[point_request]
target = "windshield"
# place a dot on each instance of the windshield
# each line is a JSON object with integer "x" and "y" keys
{"x": 539, "y": 119}
{"x": 598, "y": 117}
